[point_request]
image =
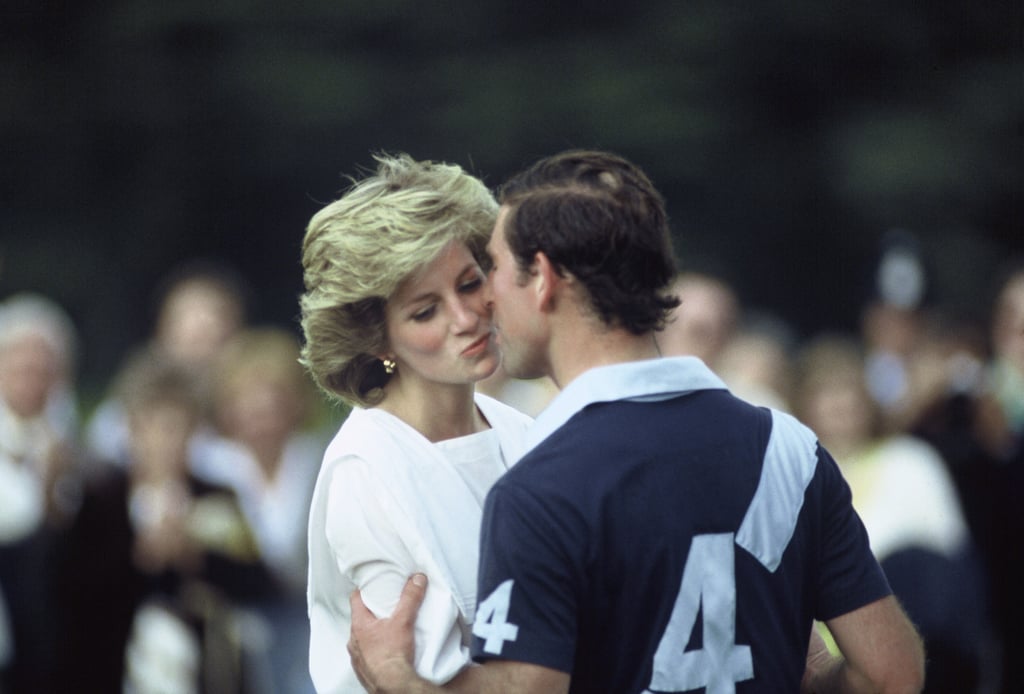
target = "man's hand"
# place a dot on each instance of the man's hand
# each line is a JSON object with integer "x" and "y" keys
{"x": 821, "y": 665}
{"x": 382, "y": 650}
{"x": 880, "y": 651}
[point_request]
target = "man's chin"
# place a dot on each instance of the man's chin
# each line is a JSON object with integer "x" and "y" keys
{"x": 520, "y": 372}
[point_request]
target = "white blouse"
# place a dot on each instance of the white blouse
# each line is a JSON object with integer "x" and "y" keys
{"x": 388, "y": 503}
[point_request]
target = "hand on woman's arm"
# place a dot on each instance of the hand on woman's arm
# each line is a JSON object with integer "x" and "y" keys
{"x": 373, "y": 551}
{"x": 382, "y": 652}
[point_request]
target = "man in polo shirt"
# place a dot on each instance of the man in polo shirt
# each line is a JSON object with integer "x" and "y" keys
{"x": 660, "y": 535}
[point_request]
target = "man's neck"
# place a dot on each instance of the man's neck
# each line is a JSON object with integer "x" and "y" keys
{"x": 577, "y": 351}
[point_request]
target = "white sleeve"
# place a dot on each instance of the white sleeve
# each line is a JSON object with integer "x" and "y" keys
{"x": 372, "y": 546}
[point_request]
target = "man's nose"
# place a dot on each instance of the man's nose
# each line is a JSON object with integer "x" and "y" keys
{"x": 488, "y": 292}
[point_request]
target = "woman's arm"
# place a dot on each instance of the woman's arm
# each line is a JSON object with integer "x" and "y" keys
{"x": 382, "y": 650}
{"x": 371, "y": 550}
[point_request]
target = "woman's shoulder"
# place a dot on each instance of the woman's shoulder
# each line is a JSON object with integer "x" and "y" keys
{"x": 362, "y": 433}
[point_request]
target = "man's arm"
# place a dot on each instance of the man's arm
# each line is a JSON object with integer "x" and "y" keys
{"x": 881, "y": 652}
{"x": 382, "y": 653}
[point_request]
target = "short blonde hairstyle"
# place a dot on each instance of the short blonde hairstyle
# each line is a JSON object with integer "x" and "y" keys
{"x": 361, "y": 247}
{"x": 268, "y": 354}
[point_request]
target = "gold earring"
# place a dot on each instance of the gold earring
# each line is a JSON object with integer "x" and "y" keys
{"x": 389, "y": 365}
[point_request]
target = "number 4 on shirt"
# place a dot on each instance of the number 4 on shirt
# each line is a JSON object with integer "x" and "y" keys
{"x": 491, "y": 623}
{"x": 709, "y": 580}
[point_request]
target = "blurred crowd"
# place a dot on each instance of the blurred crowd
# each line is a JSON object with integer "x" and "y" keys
{"x": 157, "y": 543}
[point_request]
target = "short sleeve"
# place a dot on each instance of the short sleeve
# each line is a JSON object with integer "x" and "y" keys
{"x": 850, "y": 575}
{"x": 531, "y": 558}
{"x": 377, "y": 553}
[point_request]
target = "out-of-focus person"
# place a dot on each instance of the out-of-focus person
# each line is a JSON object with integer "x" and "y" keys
{"x": 38, "y": 481}
{"x": 38, "y": 416}
{"x": 158, "y": 559}
{"x": 756, "y": 362}
{"x": 891, "y": 324}
{"x": 263, "y": 403}
{"x": 1006, "y": 378}
{"x": 911, "y": 508}
{"x": 705, "y": 319}
{"x": 200, "y": 305}
{"x": 974, "y": 414}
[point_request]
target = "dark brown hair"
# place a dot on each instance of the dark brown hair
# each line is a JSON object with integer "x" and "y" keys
{"x": 599, "y": 218}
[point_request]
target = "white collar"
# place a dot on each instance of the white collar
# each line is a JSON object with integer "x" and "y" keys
{"x": 652, "y": 379}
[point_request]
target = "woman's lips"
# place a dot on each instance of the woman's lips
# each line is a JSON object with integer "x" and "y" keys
{"x": 477, "y": 346}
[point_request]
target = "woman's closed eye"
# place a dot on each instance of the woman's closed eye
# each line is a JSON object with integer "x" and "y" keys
{"x": 472, "y": 285}
{"x": 424, "y": 314}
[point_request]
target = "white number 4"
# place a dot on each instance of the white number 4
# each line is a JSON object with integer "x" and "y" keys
{"x": 709, "y": 579}
{"x": 491, "y": 623}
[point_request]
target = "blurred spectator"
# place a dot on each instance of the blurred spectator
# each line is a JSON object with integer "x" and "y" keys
{"x": 756, "y": 362}
{"x": 891, "y": 326}
{"x": 200, "y": 306}
{"x": 158, "y": 559}
{"x": 38, "y": 481}
{"x": 973, "y": 416}
{"x": 890, "y": 335}
{"x": 38, "y": 416}
{"x": 704, "y": 321}
{"x": 1007, "y": 370}
{"x": 263, "y": 401}
{"x": 910, "y": 507}
{"x": 751, "y": 353}
{"x": 948, "y": 358}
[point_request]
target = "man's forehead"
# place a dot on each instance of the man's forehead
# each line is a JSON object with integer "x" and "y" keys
{"x": 494, "y": 241}
{"x": 498, "y": 234}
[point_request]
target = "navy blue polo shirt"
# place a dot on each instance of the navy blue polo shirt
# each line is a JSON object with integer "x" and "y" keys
{"x": 664, "y": 536}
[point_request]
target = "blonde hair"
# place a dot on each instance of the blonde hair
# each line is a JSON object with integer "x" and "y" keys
{"x": 361, "y": 247}
{"x": 267, "y": 354}
{"x": 827, "y": 362}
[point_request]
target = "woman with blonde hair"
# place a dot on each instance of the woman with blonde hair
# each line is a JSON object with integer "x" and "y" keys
{"x": 396, "y": 324}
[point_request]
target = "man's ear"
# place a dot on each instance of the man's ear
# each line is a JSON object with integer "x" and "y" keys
{"x": 547, "y": 280}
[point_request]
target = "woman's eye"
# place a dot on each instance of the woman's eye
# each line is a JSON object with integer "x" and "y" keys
{"x": 471, "y": 286}
{"x": 423, "y": 315}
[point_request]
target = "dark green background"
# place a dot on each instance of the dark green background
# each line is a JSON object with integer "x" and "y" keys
{"x": 788, "y": 137}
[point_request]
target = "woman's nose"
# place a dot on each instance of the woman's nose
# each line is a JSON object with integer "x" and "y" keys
{"x": 468, "y": 313}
